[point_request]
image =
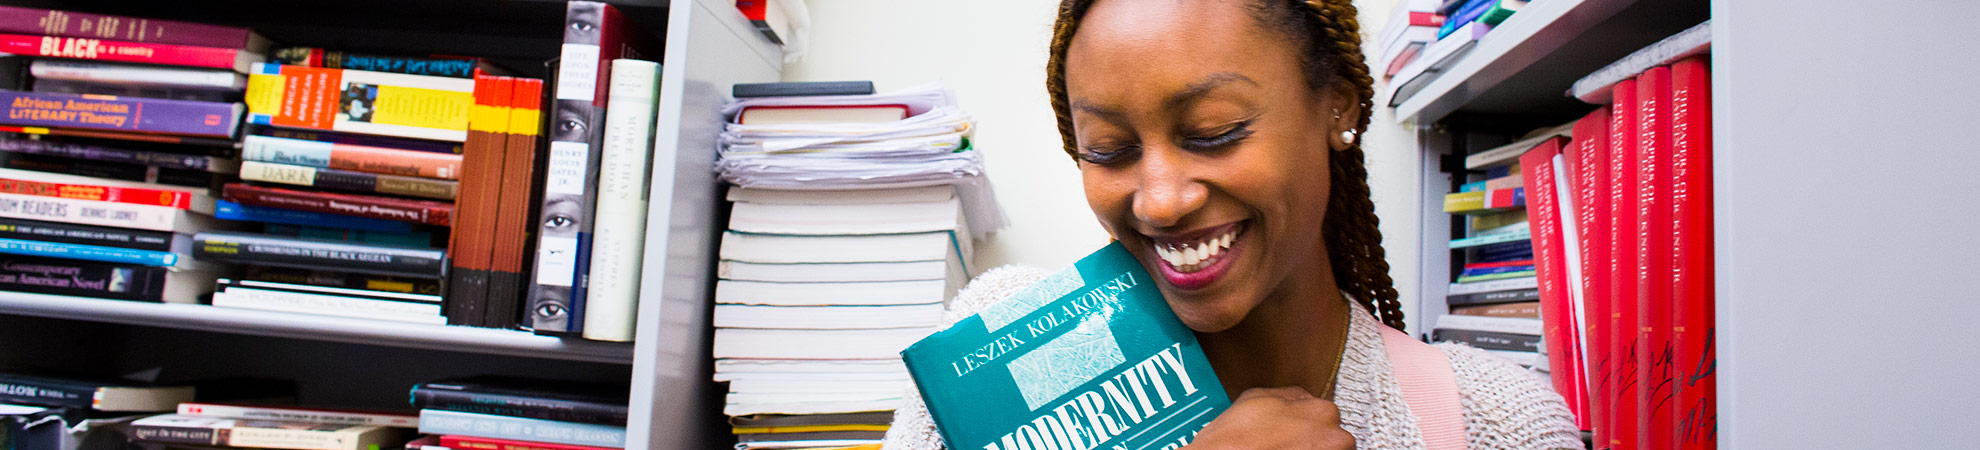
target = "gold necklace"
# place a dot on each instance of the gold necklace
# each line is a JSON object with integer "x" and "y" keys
{"x": 1340, "y": 351}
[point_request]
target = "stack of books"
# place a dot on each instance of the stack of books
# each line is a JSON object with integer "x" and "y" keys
{"x": 504, "y": 413}
{"x": 215, "y": 425}
{"x": 1426, "y": 37}
{"x": 1494, "y": 301}
{"x": 111, "y": 144}
{"x": 36, "y": 411}
{"x": 852, "y": 227}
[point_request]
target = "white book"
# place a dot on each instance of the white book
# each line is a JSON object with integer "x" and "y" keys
{"x": 1599, "y": 86}
{"x": 109, "y": 214}
{"x": 816, "y": 344}
{"x": 201, "y": 202}
{"x": 810, "y": 366}
{"x": 1512, "y": 325}
{"x": 835, "y": 272}
{"x": 618, "y": 238}
{"x": 828, "y": 317}
{"x": 261, "y": 433}
{"x": 1509, "y": 153}
{"x": 1434, "y": 59}
{"x": 848, "y": 219}
{"x": 744, "y": 409}
{"x": 136, "y": 74}
{"x": 328, "y": 305}
{"x": 770, "y": 248}
{"x": 731, "y": 292}
{"x": 764, "y": 386}
{"x": 1494, "y": 285}
{"x": 901, "y": 376}
{"x": 216, "y": 410}
{"x": 847, "y": 196}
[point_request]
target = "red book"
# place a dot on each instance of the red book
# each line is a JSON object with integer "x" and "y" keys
{"x": 1621, "y": 273}
{"x": 1589, "y": 156}
{"x": 1561, "y": 332}
{"x": 376, "y": 207}
{"x": 134, "y": 52}
{"x": 482, "y": 443}
{"x": 1653, "y": 257}
{"x": 134, "y": 29}
{"x": 1691, "y": 277}
{"x": 115, "y": 194}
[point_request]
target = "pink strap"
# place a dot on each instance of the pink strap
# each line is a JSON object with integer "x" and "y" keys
{"x": 1429, "y": 388}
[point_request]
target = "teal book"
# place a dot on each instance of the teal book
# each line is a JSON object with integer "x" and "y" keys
{"x": 1091, "y": 357}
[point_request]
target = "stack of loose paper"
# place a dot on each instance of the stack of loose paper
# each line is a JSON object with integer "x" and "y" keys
{"x": 845, "y": 242}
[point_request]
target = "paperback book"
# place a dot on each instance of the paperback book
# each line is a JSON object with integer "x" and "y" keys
{"x": 1091, "y": 344}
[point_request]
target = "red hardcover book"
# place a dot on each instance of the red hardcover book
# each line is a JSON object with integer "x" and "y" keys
{"x": 1653, "y": 256}
{"x": 376, "y": 207}
{"x": 1561, "y": 331}
{"x": 1589, "y": 153}
{"x": 506, "y": 279}
{"x": 1621, "y": 270}
{"x": 473, "y": 233}
{"x": 1692, "y": 277}
{"x": 1425, "y": 19}
{"x": 133, "y": 52}
{"x": 482, "y": 443}
{"x": 20, "y": 20}
{"x": 135, "y": 196}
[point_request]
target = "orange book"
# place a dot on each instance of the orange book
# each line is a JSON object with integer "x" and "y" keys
{"x": 513, "y": 219}
{"x": 473, "y": 234}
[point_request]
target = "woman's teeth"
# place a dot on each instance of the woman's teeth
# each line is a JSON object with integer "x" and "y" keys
{"x": 1188, "y": 258}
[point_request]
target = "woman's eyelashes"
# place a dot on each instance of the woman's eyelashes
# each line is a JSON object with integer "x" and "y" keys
{"x": 1108, "y": 154}
{"x": 1218, "y": 139}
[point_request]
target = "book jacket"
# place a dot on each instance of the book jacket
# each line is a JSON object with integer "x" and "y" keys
{"x": 1090, "y": 357}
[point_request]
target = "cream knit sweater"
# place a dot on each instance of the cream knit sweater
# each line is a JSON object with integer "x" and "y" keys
{"x": 1504, "y": 406}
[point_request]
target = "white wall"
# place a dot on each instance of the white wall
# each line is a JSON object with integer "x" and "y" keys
{"x": 992, "y": 53}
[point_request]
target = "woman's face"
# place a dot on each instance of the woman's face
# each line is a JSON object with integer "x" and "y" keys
{"x": 1203, "y": 151}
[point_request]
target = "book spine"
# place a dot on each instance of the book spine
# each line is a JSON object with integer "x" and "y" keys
{"x": 85, "y": 212}
{"x": 88, "y": 252}
{"x": 1591, "y": 156}
{"x": 114, "y": 155}
{"x": 467, "y": 289}
{"x": 122, "y": 136}
{"x": 355, "y": 158}
{"x": 1496, "y": 285}
{"x": 329, "y": 305}
{"x": 114, "y": 194}
{"x": 442, "y": 422}
{"x": 134, "y": 91}
{"x": 1522, "y": 310}
{"x": 85, "y": 235}
{"x": 234, "y": 211}
{"x": 410, "y": 65}
{"x": 348, "y": 181}
{"x": 418, "y": 145}
{"x": 520, "y": 406}
{"x": 245, "y": 435}
{"x": 81, "y": 278}
{"x": 1550, "y": 264}
{"x": 253, "y": 249}
{"x": 507, "y": 281}
{"x": 479, "y": 443}
{"x": 383, "y": 208}
{"x": 1653, "y": 258}
{"x": 620, "y": 238}
{"x": 344, "y": 280}
{"x": 147, "y": 115}
{"x": 297, "y": 415}
{"x": 1489, "y": 340}
{"x": 413, "y": 239}
{"x": 386, "y": 104}
{"x": 1484, "y": 298}
{"x": 119, "y": 51}
{"x": 1621, "y": 270}
{"x": 114, "y": 171}
{"x": 110, "y": 73}
{"x": 570, "y": 186}
{"x": 103, "y": 26}
{"x": 178, "y": 435}
{"x": 1692, "y": 276}
{"x": 31, "y": 393}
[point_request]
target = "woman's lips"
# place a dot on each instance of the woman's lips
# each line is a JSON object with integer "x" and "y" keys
{"x": 1195, "y": 264}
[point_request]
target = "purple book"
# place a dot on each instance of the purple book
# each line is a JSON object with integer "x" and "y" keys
{"x": 130, "y": 29}
{"x": 144, "y": 115}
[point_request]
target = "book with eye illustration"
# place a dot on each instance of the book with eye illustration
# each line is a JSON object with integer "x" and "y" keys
{"x": 1089, "y": 357}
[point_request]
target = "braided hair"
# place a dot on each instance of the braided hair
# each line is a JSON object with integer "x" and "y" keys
{"x": 1328, "y": 35}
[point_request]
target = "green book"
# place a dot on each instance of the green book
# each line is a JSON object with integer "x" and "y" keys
{"x": 1091, "y": 357}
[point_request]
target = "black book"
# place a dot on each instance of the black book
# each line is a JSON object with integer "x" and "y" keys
{"x": 90, "y": 394}
{"x": 304, "y": 253}
{"x": 564, "y": 401}
{"x": 35, "y": 230}
{"x": 209, "y": 159}
{"x": 113, "y": 170}
{"x": 1495, "y": 297}
{"x": 1489, "y": 340}
{"x": 346, "y": 280}
{"x": 802, "y": 89}
{"x": 21, "y": 273}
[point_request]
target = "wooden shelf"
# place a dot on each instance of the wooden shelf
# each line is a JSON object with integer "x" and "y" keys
{"x": 1523, "y": 68}
{"x": 312, "y": 327}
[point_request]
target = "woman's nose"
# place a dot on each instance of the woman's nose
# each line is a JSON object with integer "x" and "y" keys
{"x": 1169, "y": 190}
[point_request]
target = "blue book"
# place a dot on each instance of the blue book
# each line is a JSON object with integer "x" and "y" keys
{"x": 1091, "y": 344}
{"x": 89, "y": 252}
{"x": 1493, "y": 271}
{"x": 440, "y": 421}
{"x": 1516, "y": 236}
{"x": 227, "y": 210}
{"x": 1471, "y": 11}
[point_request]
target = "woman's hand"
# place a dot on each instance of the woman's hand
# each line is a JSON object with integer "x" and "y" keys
{"x": 1276, "y": 418}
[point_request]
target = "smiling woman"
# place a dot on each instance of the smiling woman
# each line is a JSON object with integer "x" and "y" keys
{"x": 1218, "y": 141}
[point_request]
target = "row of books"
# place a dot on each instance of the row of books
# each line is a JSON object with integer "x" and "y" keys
{"x": 472, "y": 413}
{"x": 410, "y": 189}
{"x": 1494, "y": 300}
{"x": 825, "y": 281}
{"x": 1425, "y": 37}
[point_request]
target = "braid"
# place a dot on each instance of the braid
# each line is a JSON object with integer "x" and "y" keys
{"x": 1328, "y": 33}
